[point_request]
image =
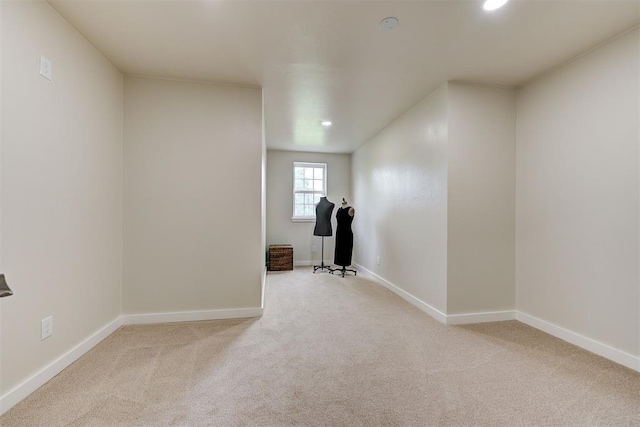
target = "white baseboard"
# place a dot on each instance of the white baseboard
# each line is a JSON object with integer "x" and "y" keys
{"x": 431, "y": 311}
{"x": 14, "y": 396}
{"x": 308, "y": 263}
{"x": 191, "y": 316}
{"x": 490, "y": 316}
{"x": 618, "y": 356}
{"x": 453, "y": 319}
{"x": 608, "y": 352}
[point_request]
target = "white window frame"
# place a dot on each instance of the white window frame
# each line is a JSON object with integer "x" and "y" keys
{"x": 306, "y": 218}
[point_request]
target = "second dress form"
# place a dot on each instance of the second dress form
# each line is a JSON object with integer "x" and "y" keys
{"x": 344, "y": 237}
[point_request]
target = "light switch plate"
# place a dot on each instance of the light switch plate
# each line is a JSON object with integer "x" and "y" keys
{"x": 46, "y": 68}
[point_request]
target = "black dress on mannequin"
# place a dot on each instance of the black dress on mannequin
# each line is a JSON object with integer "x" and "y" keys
{"x": 344, "y": 239}
{"x": 324, "y": 209}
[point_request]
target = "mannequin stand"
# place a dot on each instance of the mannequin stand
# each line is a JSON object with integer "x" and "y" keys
{"x": 322, "y": 265}
{"x": 344, "y": 270}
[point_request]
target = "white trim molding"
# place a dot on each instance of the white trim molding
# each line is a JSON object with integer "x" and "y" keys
{"x": 191, "y": 316}
{"x": 601, "y": 349}
{"x": 589, "y": 344}
{"x": 18, "y": 393}
{"x": 264, "y": 287}
{"x": 431, "y": 311}
{"x": 490, "y": 316}
{"x": 303, "y": 219}
{"x": 14, "y": 396}
{"x": 452, "y": 319}
{"x": 304, "y": 263}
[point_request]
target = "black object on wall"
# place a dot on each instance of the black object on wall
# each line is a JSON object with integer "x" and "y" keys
{"x": 5, "y": 291}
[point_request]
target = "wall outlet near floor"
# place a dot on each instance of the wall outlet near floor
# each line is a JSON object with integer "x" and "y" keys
{"x": 46, "y": 327}
{"x": 314, "y": 248}
{"x": 378, "y": 260}
{"x": 46, "y": 68}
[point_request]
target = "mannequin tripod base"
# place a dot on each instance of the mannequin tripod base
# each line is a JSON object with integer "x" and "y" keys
{"x": 344, "y": 271}
{"x": 322, "y": 267}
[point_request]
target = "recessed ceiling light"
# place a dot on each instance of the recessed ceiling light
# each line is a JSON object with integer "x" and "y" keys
{"x": 494, "y": 4}
{"x": 326, "y": 123}
{"x": 388, "y": 24}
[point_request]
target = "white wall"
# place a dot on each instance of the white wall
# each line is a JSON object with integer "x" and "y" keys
{"x": 400, "y": 196}
{"x": 481, "y": 199}
{"x": 577, "y": 203}
{"x": 193, "y": 191}
{"x": 280, "y": 228}
{"x": 61, "y": 177}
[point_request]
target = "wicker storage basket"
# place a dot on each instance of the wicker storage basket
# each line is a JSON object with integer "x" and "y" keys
{"x": 280, "y": 257}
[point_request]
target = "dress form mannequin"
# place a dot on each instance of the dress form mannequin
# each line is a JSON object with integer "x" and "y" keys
{"x": 344, "y": 238}
{"x": 324, "y": 208}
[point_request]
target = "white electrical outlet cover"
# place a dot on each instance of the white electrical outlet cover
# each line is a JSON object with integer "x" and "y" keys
{"x": 46, "y": 68}
{"x": 46, "y": 327}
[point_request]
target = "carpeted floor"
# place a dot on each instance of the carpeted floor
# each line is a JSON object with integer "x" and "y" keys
{"x": 334, "y": 352}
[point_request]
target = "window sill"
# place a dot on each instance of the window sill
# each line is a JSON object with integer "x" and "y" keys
{"x": 302, "y": 219}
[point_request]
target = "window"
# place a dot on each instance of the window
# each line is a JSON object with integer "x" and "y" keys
{"x": 309, "y": 184}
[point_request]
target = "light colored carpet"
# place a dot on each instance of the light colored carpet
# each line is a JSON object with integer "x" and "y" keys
{"x": 334, "y": 352}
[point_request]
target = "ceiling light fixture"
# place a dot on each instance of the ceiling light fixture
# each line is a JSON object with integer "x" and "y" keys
{"x": 326, "y": 123}
{"x": 494, "y": 4}
{"x": 388, "y": 24}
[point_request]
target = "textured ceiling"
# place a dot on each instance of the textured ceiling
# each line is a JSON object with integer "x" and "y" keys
{"x": 321, "y": 60}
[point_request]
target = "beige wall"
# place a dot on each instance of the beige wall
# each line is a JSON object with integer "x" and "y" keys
{"x": 2, "y": 405}
{"x": 400, "y": 195}
{"x": 263, "y": 207}
{"x": 61, "y": 177}
{"x": 280, "y": 228}
{"x": 481, "y": 199}
{"x": 193, "y": 188}
{"x": 577, "y": 204}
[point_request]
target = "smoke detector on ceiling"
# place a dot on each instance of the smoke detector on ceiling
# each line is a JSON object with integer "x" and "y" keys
{"x": 388, "y": 24}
